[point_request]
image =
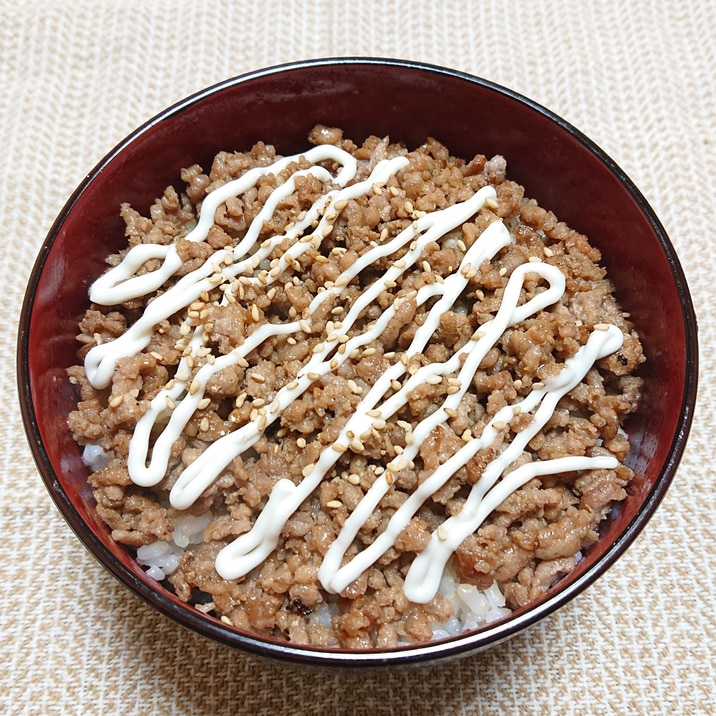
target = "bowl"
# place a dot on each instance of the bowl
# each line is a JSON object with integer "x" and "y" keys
{"x": 559, "y": 166}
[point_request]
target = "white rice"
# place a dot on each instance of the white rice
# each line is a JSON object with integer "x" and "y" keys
{"x": 472, "y": 608}
{"x": 162, "y": 558}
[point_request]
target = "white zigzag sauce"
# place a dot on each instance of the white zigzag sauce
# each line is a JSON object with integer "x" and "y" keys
{"x": 169, "y": 412}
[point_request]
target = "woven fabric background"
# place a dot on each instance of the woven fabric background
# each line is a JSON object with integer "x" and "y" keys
{"x": 637, "y": 77}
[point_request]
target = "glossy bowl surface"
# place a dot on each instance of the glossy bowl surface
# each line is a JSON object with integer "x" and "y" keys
{"x": 557, "y": 164}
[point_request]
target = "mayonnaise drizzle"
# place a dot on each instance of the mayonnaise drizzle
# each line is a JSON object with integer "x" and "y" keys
{"x": 178, "y": 401}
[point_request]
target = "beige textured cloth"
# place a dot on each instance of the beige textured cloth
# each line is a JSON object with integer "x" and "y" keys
{"x": 638, "y": 78}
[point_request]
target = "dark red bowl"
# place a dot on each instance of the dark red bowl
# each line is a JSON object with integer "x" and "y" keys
{"x": 558, "y": 165}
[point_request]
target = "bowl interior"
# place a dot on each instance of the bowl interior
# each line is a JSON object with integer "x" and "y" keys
{"x": 556, "y": 164}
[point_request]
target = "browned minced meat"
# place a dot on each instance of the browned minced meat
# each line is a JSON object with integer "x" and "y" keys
{"x": 531, "y": 539}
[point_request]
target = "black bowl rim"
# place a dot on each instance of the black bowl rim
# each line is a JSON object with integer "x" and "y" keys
{"x": 304, "y": 655}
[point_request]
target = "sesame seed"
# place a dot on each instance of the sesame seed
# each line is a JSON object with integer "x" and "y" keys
{"x": 318, "y": 348}
{"x": 334, "y": 504}
{"x": 339, "y": 448}
{"x": 262, "y": 422}
{"x": 308, "y": 469}
{"x": 374, "y": 413}
{"x": 395, "y": 385}
{"x": 461, "y": 245}
{"x": 369, "y": 352}
{"x": 357, "y": 445}
{"x": 452, "y": 389}
{"x": 548, "y": 252}
{"x": 442, "y": 533}
{"x": 400, "y": 263}
{"x": 226, "y": 620}
{"x": 379, "y": 424}
{"x": 450, "y": 412}
{"x": 518, "y": 384}
{"x": 255, "y": 313}
{"x": 313, "y": 376}
{"x": 301, "y": 442}
{"x": 204, "y": 403}
{"x": 242, "y": 362}
{"x": 434, "y": 379}
{"x": 304, "y": 325}
{"x": 538, "y": 385}
{"x": 353, "y": 479}
{"x": 170, "y": 403}
{"x": 116, "y": 401}
{"x": 257, "y": 377}
{"x": 271, "y": 293}
{"x": 195, "y": 387}
{"x": 155, "y": 355}
{"x": 426, "y": 267}
{"x": 503, "y": 271}
{"x": 601, "y": 326}
{"x": 466, "y": 436}
{"x": 334, "y": 363}
{"x": 342, "y": 280}
{"x": 204, "y": 424}
{"x": 499, "y": 425}
{"x": 258, "y": 402}
{"x": 534, "y": 259}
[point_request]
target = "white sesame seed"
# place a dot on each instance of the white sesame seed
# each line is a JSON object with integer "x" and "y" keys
{"x": 334, "y": 504}
{"x": 308, "y": 469}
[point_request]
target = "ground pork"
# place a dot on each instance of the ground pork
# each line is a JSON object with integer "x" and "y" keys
{"x": 532, "y": 539}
